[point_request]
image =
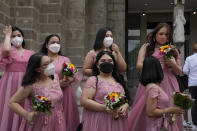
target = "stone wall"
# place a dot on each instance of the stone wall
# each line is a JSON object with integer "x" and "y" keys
{"x": 75, "y": 31}
{"x": 50, "y": 19}
{"x": 96, "y": 18}
{"x": 5, "y": 18}
{"x": 110, "y": 13}
{"x": 116, "y": 21}
{"x": 77, "y": 22}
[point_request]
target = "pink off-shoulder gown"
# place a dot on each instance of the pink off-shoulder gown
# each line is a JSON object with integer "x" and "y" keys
{"x": 14, "y": 67}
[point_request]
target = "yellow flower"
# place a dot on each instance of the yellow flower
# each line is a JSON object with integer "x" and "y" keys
{"x": 114, "y": 95}
{"x": 71, "y": 65}
{"x": 45, "y": 98}
{"x": 164, "y": 48}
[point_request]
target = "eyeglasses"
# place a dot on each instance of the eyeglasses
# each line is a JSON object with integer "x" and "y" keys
{"x": 47, "y": 63}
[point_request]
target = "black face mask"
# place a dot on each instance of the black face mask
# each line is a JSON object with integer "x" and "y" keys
{"x": 106, "y": 67}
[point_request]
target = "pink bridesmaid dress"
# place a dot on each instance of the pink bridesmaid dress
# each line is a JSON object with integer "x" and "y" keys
{"x": 44, "y": 122}
{"x": 69, "y": 100}
{"x": 154, "y": 123}
{"x": 102, "y": 121}
{"x": 14, "y": 68}
{"x": 169, "y": 85}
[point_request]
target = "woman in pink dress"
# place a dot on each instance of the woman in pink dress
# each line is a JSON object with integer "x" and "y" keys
{"x": 158, "y": 37}
{"x": 158, "y": 108}
{"x": 51, "y": 47}
{"x": 104, "y": 40}
{"x": 40, "y": 80}
{"x": 13, "y": 59}
{"x": 106, "y": 79}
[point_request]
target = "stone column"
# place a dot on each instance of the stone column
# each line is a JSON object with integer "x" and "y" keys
{"x": 25, "y": 13}
{"x": 96, "y": 18}
{"x": 75, "y": 31}
{"x": 51, "y": 19}
{"x": 116, "y": 21}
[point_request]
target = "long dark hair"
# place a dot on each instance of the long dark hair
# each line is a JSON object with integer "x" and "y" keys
{"x": 14, "y": 28}
{"x": 31, "y": 73}
{"x": 47, "y": 39}
{"x": 151, "y": 71}
{"x": 151, "y": 37}
{"x": 100, "y": 37}
{"x": 116, "y": 74}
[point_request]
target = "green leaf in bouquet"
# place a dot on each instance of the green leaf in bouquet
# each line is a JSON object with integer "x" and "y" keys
{"x": 165, "y": 57}
{"x": 183, "y": 101}
{"x": 120, "y": 103}
{"x": 35, "y": 107}
{"x": 187, "y": 104}
{"x": 67, "y": 73}
{"x": 48, "y": 112}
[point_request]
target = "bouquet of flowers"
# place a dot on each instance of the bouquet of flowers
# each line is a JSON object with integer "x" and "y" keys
{"x": 168, "y": 51}
{"x": 114, "y": 100}
{"x": 42, "y": 104}
{"x": 183, "y": 101}
{"x": 69, "y": 69}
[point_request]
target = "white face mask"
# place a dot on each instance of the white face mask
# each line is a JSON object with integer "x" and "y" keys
{"x": 17, "y": 41}
{"x": 55, "y": 48}
{"x": 108, "y": 41}
{"x": 50, "y": 70}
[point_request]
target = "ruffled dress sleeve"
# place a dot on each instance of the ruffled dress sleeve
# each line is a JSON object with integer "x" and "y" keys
{"x": 93, "y": 54}
{"x": 91, "y": 82}
{"x": 152, "y": 92}
{"x": 7, "y": 60}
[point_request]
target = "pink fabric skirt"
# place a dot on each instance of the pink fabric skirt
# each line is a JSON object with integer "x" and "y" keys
{"x": 70, "y": 109}
{"x": 9, "y": 84}
{"x": 101, "y": 121}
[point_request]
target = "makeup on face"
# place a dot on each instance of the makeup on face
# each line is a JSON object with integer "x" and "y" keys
{"x": 162, "y": 36}
{"x": 109, "y": 34}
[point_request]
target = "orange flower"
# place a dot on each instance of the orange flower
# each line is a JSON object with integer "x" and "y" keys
{"x": 71, "y": 65}
{"x": 114, "y": 95}
{"x": 164, "y": 48}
